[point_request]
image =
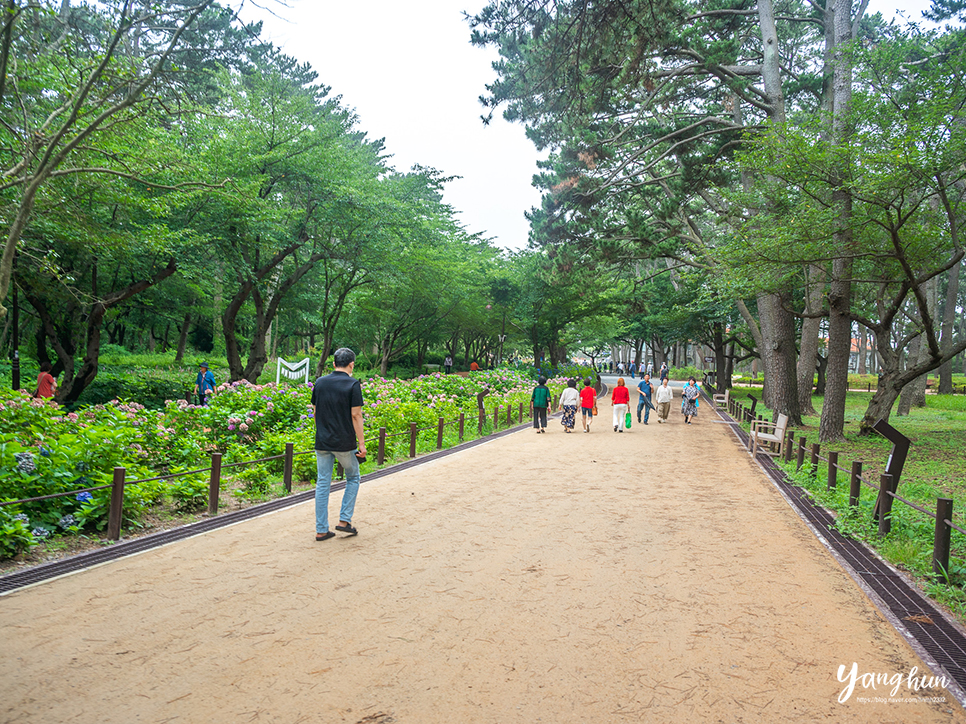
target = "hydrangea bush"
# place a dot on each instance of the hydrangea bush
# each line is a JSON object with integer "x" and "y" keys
{"x": 44, "y": 450}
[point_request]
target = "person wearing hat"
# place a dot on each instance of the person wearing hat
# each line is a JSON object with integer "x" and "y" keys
{"x": 205, "y": 384}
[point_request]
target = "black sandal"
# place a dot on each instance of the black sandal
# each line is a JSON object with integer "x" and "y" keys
{"x": 324, "y": 536}
{"x": 346, "y": 529}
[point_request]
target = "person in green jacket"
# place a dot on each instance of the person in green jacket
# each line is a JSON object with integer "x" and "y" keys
{"x": 540, "y": 401}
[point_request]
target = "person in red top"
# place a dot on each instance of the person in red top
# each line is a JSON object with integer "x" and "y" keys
{"x": 473, "y": 366}
{"x": 588, "y": 400}
{"x": 46, "y": 384}
{"x": 620, "y": 399}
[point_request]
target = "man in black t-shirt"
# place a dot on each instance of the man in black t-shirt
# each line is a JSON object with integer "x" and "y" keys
{"x": 337, "y": 400}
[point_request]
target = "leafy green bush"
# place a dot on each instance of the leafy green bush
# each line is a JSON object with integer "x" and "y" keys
{"x": 190, "y": 493}
{"x": 682, "y": 373}
{"x": 15, "y": 536}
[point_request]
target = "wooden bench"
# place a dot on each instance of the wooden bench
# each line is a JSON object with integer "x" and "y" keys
{"x": 763, "y": 431}
{"x": 722, "y": 400}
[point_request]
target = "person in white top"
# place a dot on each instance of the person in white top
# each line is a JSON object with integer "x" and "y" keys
{"x": 569, "y": 400}
{"x": 665, "y": 395}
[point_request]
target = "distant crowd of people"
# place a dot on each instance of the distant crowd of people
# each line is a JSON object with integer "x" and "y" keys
{"x": 586, "y": 400}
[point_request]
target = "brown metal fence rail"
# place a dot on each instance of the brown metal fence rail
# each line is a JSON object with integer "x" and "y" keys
{"x": 884, "y": 489}
{"x": 119, "y": 483}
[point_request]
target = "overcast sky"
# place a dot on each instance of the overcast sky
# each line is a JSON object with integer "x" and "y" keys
{"x": 409, "y": 71}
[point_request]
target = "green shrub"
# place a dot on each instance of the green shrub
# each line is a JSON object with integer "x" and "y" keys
{"x": 190, "y": 493}
{"x": 15, "y": 536}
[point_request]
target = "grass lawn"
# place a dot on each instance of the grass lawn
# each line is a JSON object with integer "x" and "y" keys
{"x": 936, "y": 467}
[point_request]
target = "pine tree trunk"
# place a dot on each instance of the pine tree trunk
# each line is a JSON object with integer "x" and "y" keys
{"x": 863, "y": 349}
{"x": 949, "y": 321}
{"x": 908, "y": 393}
{"x": 808, "y": 353}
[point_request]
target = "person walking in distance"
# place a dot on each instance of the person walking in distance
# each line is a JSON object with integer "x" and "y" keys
{"x": 46, "y": 383}
{"x": 448, "y": 363}
{"x": 690, "y": 397}
{"x": 540, "y": 403}
{"x": 337, "y": 400}
{"x": 665, "y": 395}
{"x": 664, "y": 374}
{"x": 644, "y": 401}
{"x": 569, "y": 400}
{"x": 620, "y": 400}
{"x": 204, "y": 384}
{"x": 588, "y": 403}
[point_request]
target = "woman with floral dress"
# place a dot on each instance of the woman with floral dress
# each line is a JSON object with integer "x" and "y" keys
{"x": 569, "y": 400}
{"x": 690, "y": 397}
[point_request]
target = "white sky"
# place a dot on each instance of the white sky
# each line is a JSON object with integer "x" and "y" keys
{"x": 409, "y": 71}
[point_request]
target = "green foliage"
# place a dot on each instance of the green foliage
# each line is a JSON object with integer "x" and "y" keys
{"x": 15, "y": 535}
{"x": 190, "y": 492}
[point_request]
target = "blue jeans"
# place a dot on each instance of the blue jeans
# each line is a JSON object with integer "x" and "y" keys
{"x": 324, "y": 460}
{"x": 642, "y": 402}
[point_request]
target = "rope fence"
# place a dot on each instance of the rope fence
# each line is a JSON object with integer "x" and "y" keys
{"x": 884, "y": 489}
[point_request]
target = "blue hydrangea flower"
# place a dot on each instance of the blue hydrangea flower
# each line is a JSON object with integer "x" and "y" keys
{"x": 67, "y": 521}
{"x": 25, "y": 462}
{"x": 22, "y": 516}
{"x": 45, "y": 451}
{"x": 84, "y": 497}
{"x": 41, "y": 533}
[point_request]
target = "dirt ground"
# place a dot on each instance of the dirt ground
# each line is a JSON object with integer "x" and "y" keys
{"x": 649, "y": 576}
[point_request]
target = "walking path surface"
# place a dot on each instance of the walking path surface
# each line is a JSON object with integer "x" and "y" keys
{"x": 650, "y": 576}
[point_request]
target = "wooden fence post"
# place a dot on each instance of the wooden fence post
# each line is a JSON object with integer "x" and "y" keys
{"x": 509, "y": 415}
{"x": 412, "y": 439}
{"x": 940, "y": 546}
{"x": 462, "y": 425}
{"x": 496, "y": 418}
{"x": 789, "y": 444}
{"x": 480, "y": 431}
{"x": 439, "y": 434}
{"x": 855, "y": 485}
{"x": 885, "y": 504}
{"x": 521, "y": 413}
{"x": 814, "y": 459}
{"x": 381, "y": 454}
{"x": 117, "y": 505}
{"x": 833, "y": 461}
{"x": 214, "y": 484}
{"x": 800, "y": 459}
{"x": 289, "y": 460}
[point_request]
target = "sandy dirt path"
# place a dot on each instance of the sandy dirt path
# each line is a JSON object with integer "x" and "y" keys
{"x": 649, "y": 576}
